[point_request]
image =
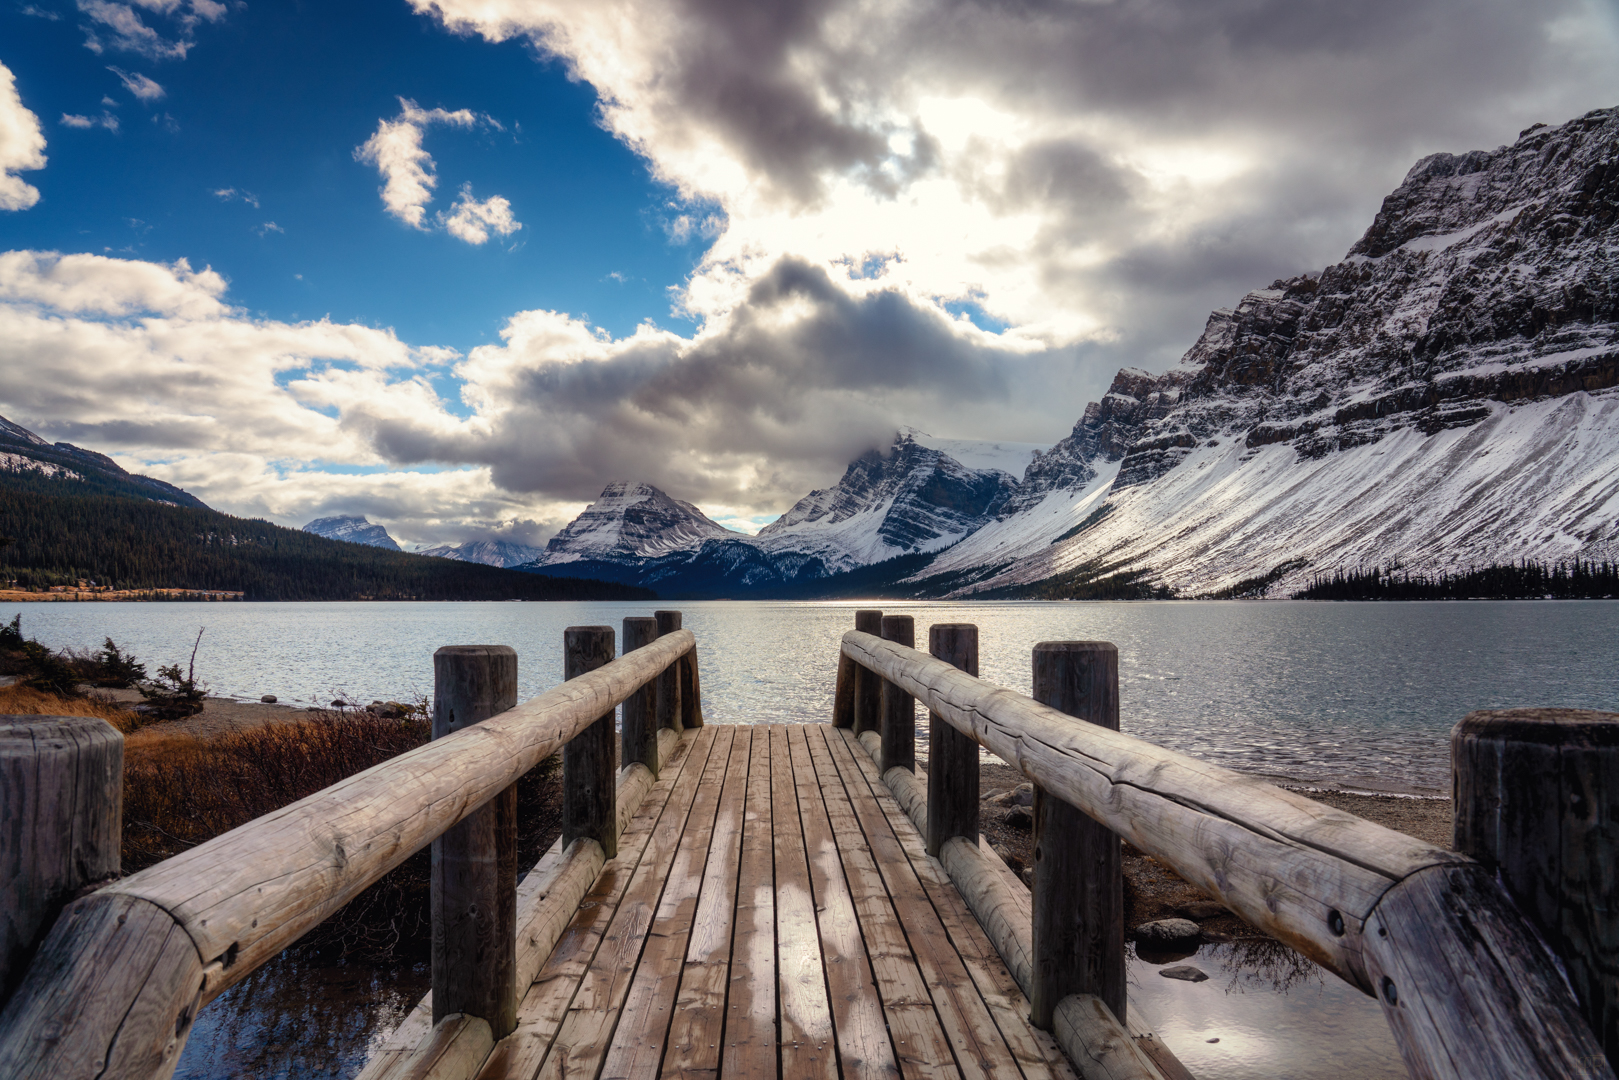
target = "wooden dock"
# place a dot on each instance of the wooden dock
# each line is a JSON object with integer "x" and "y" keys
{"x": 798, "y": 900}
{"x": 771, "y": 912}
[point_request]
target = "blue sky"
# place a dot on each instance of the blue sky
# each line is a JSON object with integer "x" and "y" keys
{"x": 272, "y": 101}
{"x": 720, "y": 246}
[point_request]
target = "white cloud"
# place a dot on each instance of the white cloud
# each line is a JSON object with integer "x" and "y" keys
{"x": 105, "y": 120}
{"x": 473, "y": 221}
{"x": 119, "y": 27}
{"x": 22, "y": 146}
{"x": 142, "y": 87}
{"x": 407, "y": 170}
{"x": 230, "y": 193}
{"x": 269, "y": 227}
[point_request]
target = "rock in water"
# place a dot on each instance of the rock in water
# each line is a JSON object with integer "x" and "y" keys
{"x": 1168, "y": 933}
{"x": 1185, "y": 973}
{"x": 268, "y": 699}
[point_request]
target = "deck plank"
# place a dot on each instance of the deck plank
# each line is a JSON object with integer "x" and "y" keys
{"x": 749, "y": 1038}
{"x": 545, "y": 1006}
{"x": 864, "y": 1047}
{"x": 1036, "y": 1051}
{"x": 920, "y": 1044}
{"x": 981, "y": 1052}
{"x": 638, "y": 1040}
{"x": 807, "y": 1049}
{"x": 697, "y": 1027}
{"x": 586, "y": 1034}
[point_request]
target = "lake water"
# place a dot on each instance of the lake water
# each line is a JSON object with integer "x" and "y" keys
{"x": 1360, "y": 696}
{"x": 1353, "y": 695}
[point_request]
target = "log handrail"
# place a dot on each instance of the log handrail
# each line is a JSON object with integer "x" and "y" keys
{"x": 120, "y": 978}
{"x": 1462, "y": 980}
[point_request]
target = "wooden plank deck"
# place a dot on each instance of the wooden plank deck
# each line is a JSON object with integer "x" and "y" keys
{"x": 772, "y": 912}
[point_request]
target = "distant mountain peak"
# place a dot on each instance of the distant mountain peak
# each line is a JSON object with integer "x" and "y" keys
{"x": 355, "y": 530}
{"x": 489, "y": 552}
{"x": 629, "y": 522}
{"x": 68, "y": 469}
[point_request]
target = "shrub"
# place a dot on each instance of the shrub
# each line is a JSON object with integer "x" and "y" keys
{"x": 173, "y": 694}
{"x": 20, "y": 700}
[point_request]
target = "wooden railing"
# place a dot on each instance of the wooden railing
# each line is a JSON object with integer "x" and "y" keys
{"x": 117, "y": 984}
{"x": 1467, "y": 985}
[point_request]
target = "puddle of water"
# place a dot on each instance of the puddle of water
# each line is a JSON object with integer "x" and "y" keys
{"x": 1276, "y": 1016}
{"x": 297, "y": 1018}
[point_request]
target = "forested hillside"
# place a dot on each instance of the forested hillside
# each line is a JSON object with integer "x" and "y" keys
{"x": 139, "y": 544}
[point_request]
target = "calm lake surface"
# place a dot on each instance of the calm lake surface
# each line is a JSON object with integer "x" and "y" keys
{"x": 1352, "y": 695}
{"x": 1360, "y": 696}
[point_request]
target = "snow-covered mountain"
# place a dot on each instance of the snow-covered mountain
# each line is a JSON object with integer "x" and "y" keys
{"x": 488, "y": 552}
{"x": 1444, "y": 397}
{"x": 356, "y": 530}
{"x": 912, "y": 498}
{"x": 628, "y": 524}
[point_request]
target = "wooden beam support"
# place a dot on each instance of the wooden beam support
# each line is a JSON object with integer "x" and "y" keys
{"x": 952, "y": 757}
{"x": 639, "y": 724}
{"x": 896, "y": 707}
{"x": 61, "y": 799}
{"x": 1078, "y": 901}
{"x": 867, "y": 685}
{"x": 474, "y": 862}
{"x": 590, "y": 760}
{"x": 667, "y": 696}
{"x": 1536, "y": 796}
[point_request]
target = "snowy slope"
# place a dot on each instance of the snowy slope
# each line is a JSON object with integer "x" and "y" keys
{"x": 356, "y": 530}
{"x": 1445, "y": 397}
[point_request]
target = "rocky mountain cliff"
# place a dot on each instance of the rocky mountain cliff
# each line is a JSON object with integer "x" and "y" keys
{"x": 628, "y": 524}
{"x": 1441, "y": 398}
{"x": 355, "y": 530}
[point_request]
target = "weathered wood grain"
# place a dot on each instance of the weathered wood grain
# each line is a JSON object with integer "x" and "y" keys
{"x": 843, "y": 693}
{"x": 113, "y": 991}
{"x": 1537, "y": 799}
{"x": 639, "y": 1040}
{"x": 584, "y": 1039}
{"x": 691, "y": 691}
{"x": 638, "y": 720}
{"x": 545, "y": 1007}
{"x": 697, "y": 1027}
{"x": 451, "y": 1049}
{"x": 979, "y": 1050}
{"x": 749, "y": 1048}
{"x": 805, "y": 1034}
{"x": 666, "y": 695}
{"x": 867, "y": 685}
{"x": 474, "y": 863}
{"x": 952, "y": 795}
{"x": 61, "y": 805}
{"x": 590, "y": 760}
{"x": 1037, "y": 1054}
{"x": 1077, "y": 908}
{"x": 1098, "y": 1044}
{"x": 863, "y": 1046}
{"x": 897, "y": 708}
{"x": 1309, "y": 875}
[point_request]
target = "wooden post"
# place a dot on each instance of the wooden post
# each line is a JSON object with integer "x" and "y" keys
{"x": 474, "y": 863}
{"x": 843, "y": 693}
{"x": 691, "y": 691}
{"x": 867, "y": 686}
{"x": 1078, "y": 905}
{"x": 61, "y": 805}
{"x": 589, "y": 761}
{"x": 952, "y": 756}
{"x": 639, "y": 726}
{"x": 898, "y": 709}
{"x": 668, "y": 691}
{"x": 1536, "y": 798}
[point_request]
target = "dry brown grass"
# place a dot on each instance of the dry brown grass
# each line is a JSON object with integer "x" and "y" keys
{"x": 26, "y": 701}
{"x": 180, "y": 790}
